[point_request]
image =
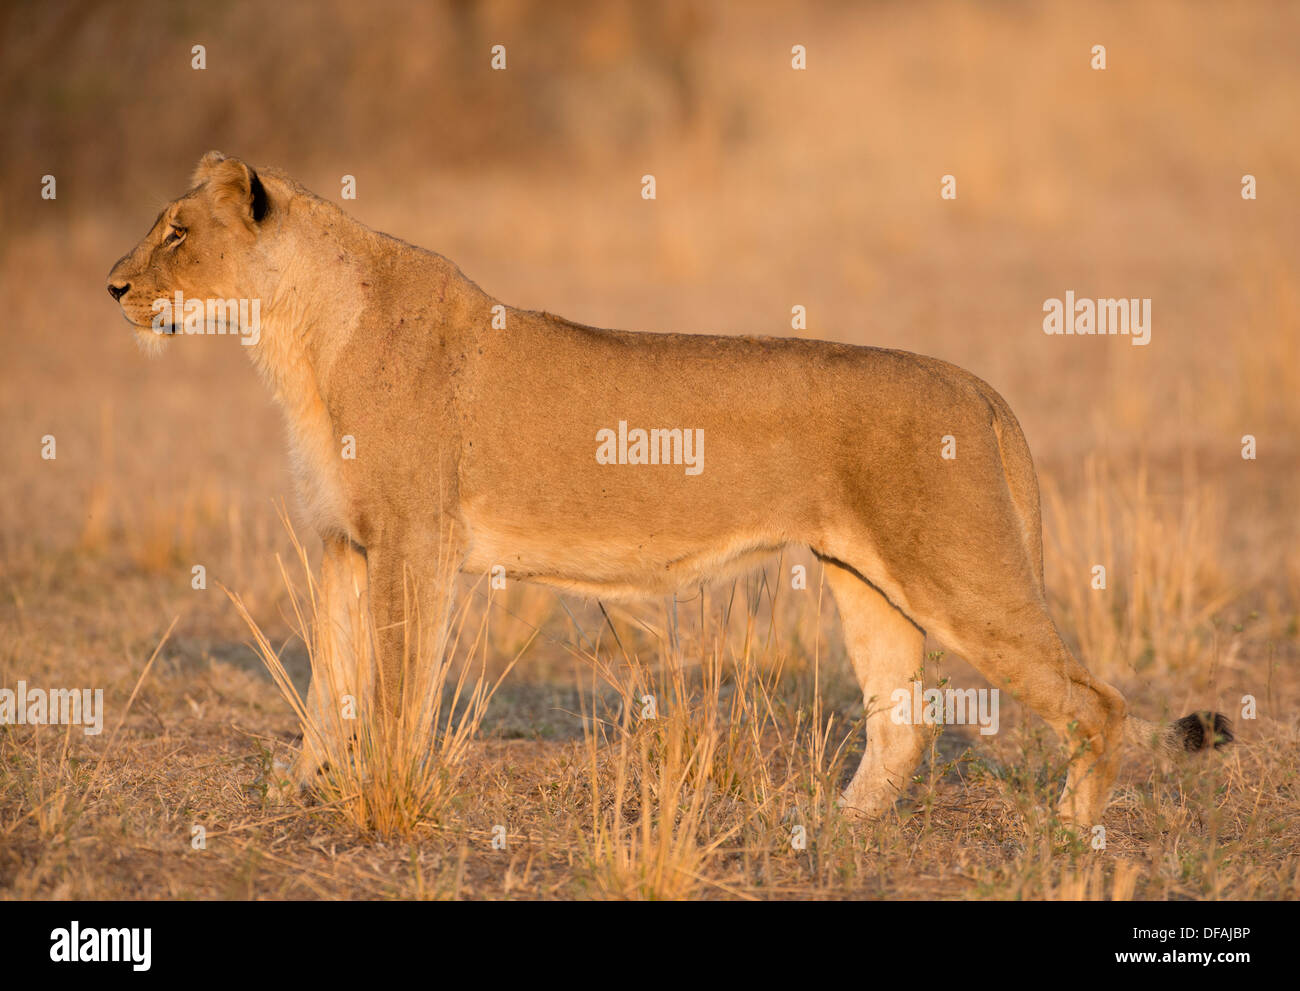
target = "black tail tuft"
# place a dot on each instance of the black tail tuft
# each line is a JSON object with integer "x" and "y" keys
{"x": 1200, "y": 730}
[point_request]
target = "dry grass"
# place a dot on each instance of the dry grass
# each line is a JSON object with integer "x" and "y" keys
{"x": 1164, "y": 581}
{"x": 775, "y": 188}
{"x": 751, "y": 738}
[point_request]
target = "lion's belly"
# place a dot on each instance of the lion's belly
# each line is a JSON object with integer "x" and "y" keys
{"x": 613, "y": 564}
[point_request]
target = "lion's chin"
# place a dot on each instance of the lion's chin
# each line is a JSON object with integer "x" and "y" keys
{"x": 149, "y": 341}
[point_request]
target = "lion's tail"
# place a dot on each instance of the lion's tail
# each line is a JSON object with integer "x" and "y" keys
{"x": 1198, "y": 731}
{"x": 1022, "y": 480}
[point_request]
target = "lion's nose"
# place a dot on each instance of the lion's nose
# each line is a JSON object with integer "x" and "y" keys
{"x": 118, "y": 289}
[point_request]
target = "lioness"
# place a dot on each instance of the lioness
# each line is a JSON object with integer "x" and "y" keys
{"x": 614, "y": 464}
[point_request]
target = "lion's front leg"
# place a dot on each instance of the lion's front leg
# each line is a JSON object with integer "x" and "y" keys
{"x": 342, "y": 661}
{"x": 412, "y": 588}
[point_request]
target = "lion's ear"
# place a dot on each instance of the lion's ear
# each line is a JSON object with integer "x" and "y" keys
{"x": 206, "y": 167}
{"x": 234, "y": 182}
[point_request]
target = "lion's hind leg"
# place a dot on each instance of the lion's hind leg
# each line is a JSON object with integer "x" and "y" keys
{"x": 885, "y": 648}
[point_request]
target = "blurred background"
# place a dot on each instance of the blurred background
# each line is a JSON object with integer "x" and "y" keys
{"x": 775, "y": 188}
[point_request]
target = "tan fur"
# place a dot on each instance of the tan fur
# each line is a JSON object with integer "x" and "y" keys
{"x": 480, "y": 443}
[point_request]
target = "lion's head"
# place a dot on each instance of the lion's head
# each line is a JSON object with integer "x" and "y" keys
{"x": 200, "y": 247}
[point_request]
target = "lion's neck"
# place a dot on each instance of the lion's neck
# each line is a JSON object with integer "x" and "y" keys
{"x": 307, "y": 318}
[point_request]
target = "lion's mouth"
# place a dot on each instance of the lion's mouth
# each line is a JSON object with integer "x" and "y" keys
{"x": 167, "y": 330}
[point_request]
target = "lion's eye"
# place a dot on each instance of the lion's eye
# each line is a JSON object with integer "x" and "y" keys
{"x": 175, "y": 236}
